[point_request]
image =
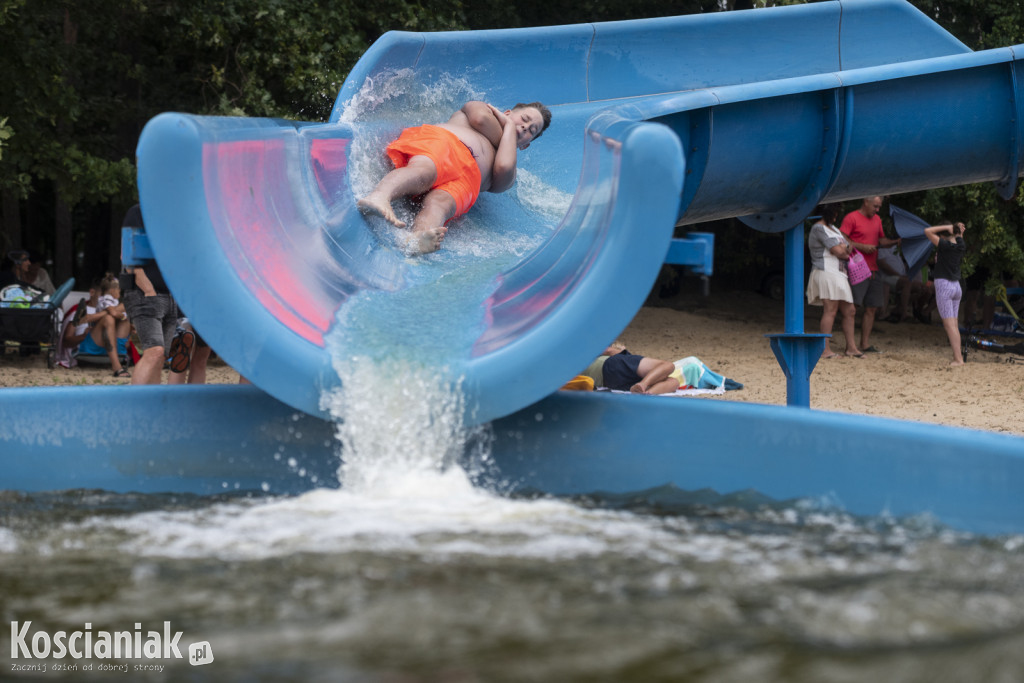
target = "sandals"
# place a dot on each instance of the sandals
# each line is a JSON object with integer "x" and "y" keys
{"x": 181, "y": 350}
{"x": 122, "y": 373}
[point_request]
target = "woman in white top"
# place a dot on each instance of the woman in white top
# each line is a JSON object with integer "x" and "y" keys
{"x": 828, "y": 285}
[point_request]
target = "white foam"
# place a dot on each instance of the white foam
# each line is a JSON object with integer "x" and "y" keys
{"x": 451, "y": 520}
{"x": 8, "y": 541}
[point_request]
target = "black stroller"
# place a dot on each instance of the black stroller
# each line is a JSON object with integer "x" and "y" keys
{"x": 38, "y": 322}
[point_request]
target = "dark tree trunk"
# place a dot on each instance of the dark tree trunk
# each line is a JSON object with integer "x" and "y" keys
{"x": 63, "y": 244}
{"x": 10, "y": 234}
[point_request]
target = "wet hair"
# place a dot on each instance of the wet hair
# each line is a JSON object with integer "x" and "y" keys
{"x": 545, "y": 114}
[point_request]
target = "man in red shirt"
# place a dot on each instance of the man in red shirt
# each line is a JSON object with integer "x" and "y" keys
{"x": 863, "y": 228}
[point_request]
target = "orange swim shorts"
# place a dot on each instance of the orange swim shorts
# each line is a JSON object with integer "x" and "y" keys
{"x": 457, "y": 171}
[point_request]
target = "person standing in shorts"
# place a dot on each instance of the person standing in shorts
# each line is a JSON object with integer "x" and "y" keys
{"x": 863, "y": 228}
{"x": 151, "y": 309}
{"x": 949, "y": 255}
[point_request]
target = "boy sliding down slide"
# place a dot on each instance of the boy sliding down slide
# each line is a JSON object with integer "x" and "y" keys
{"x": 452, "y": 163}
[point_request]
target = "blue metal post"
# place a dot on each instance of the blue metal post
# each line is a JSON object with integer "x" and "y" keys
{"x": 796, "y": 352}
{"x": 794, "y": 298}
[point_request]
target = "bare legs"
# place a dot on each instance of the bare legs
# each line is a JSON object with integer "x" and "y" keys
{"x": 830, "y": 308}
{"x": 867, "y": 322}
{"x": 105, "y": 336}
{"x": 149, "y": 368}
{"x": 415, "y": 178}
{"x": 197, "y": 368}
{"x": 849, "y": 313}
{"x": 655, "y": 377}
{"x": 953, "y": 332}
{"x": 828, "y": 317}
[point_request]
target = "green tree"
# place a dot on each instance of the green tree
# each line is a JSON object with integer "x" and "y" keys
{"x": 57, "y": 91}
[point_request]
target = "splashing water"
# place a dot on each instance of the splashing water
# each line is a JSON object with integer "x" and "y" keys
{"x": 402, "y": 432}
{"x": 400, "y": 354}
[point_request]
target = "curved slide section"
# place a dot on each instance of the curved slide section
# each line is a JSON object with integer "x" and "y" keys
{"x": 255, "y": 228}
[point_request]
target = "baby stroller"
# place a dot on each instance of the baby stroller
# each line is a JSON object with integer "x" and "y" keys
{"x": 35, "y": 320}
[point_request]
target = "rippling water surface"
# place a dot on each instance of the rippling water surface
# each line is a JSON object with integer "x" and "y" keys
{"x": 445, "y": 581}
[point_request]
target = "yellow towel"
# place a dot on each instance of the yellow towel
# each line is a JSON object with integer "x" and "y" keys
{"x": 579, "y": 383}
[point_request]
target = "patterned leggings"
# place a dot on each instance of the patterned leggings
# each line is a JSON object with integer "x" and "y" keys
{"x": 947, "y": 297}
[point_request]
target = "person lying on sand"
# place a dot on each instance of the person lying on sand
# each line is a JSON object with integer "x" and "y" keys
{"x": 618, "y": 369}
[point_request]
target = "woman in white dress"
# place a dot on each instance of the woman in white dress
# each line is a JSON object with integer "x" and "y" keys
{"x": 828, "y": 285}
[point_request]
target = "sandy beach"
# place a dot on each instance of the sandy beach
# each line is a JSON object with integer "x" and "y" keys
{"x": 910, "y": 380}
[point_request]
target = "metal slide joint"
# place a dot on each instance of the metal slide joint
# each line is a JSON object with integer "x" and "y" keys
{"x": 1007, "y": 186}
{"x": 696, "y": 151}
{"x": 822, "y": 173}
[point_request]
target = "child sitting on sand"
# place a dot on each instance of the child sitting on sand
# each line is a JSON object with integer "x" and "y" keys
{"x": 103, "y": 328}
{"x": 452, "y": 163}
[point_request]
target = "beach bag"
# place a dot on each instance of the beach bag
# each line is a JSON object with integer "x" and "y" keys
{"x": 857, "y": 268}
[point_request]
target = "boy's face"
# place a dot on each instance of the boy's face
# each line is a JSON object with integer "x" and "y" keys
{"x": 529, "y": 125}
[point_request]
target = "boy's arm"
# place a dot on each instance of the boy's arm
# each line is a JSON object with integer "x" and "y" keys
{"x": 503, "y": 173}
{"x": 490, "y": 122}
{"x": 483, "y": 119}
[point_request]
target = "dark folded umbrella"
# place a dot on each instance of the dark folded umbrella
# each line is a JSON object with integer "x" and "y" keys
{"x": 915, "y": 246}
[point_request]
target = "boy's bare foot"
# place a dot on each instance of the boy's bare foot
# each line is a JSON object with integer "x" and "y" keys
{"x": 956, "y": 363}
{"x": 638, "y": 389}
{"x": 379, "y": 206}
{"x": 426, "y": 241}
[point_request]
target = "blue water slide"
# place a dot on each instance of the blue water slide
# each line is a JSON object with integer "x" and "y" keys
{"x": 658, "y": 123}
{"x": 758, "y": 114}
